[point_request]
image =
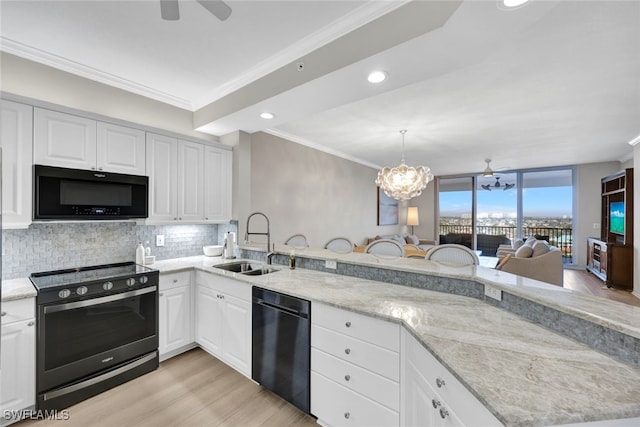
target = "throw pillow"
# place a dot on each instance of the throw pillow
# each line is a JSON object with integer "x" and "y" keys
{"x": 524, "y": 251}
{"x": 517, "y": 243}
{"x": 530, "y": 241}
{"x": 503, "y": 261}
{"x": 541, "y": 247}
{"x": 412, "y": 239}
{"x": 398, "y": 238}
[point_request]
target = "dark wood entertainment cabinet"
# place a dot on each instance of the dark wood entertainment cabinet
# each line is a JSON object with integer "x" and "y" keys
{"x": 610, "y": 257}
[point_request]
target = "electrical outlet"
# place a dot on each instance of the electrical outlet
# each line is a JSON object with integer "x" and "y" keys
{"x": 160, "y": 240}
{"x": 492, "y": 292}
{"x": 332, "y": 264}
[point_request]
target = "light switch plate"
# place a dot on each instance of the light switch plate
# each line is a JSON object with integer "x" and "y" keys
{"x": 160, "y": 240}
{"x": 492, "y": 292}
{"x": 332, "y": 264}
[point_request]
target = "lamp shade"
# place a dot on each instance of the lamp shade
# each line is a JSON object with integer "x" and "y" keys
{"x": 412, "y": 216}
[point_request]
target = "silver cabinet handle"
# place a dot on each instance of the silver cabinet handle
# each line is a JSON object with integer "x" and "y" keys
{"x": 347, "y": 415}
{"x": 31, "y": 323}
{"x": 175, "y": 219}
{"x": 435, "y": 403}
{"x": 99, "y": 169}
{"x": 347, "y": 350}
{"x": 348, "y": 324}
{"x": 160, "y": 294}
{"x": 347, "y": 377}
{"x": 439, "y": 382}
{"x": 4, "y": 313}
{"x": 175, "y": 280}
{"x": 444, "y": 413}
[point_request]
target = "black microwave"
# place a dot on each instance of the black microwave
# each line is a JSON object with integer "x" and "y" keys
{"x": 74, "y": 194}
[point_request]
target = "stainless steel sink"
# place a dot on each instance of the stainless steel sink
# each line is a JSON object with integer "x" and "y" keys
{"x": 246, "y": 267}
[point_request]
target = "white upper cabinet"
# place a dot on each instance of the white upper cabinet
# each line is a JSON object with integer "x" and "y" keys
{"x": 64, "y": 140}
{"x": 16, "y": 122}
{"x": 188, "y": 182}
{"x": 162, "y": 166}
{"x": 217, "y": 184}
{"x": 121, "y": 149}
{"x": 70, "y": 141}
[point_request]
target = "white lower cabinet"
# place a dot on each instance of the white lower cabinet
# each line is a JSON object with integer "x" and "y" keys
{"x": 18, "y": 382}
{"x": 175, "y": 314}
{"x": 432, "y": 396}
{"x": 355, "y": 368}
{"x": 223, "y": 319}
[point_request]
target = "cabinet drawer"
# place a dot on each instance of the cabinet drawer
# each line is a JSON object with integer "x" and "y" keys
{"x": 466, "y": 406}
{"x": 376, "y": 359}
{"x": 338, "y": 406}
{"x": 175, "y": 280}
{"x": 17, "y": 310}
{"x": 360, "y": 380}
{"x": 376, "y": 331}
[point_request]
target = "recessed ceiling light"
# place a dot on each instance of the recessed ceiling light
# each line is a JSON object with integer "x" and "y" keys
{"x": 267, "y": 116}
{"x": 377, "y": 77}
{"x": 510, "y": 4}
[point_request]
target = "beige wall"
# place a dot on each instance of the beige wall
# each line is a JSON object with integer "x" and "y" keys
{"x": 303, "y": 190}
{"x": 587, "y": 205}
{"x": 19, "y": 76}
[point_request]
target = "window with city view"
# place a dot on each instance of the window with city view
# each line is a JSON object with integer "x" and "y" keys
{"x": 484, "y": 212}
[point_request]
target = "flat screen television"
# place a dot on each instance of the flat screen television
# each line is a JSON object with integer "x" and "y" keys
{"x": 616, "y": 217}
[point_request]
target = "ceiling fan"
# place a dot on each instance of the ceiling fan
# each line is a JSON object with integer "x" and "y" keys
{"x": 498, "y": 185}
{"x": 171, "y": 12}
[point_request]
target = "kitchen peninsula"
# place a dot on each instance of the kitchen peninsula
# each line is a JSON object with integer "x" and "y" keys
{"x": 524, "y": 374}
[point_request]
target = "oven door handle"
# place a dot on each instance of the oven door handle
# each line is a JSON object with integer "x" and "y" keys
{"x": 96, "y": 301}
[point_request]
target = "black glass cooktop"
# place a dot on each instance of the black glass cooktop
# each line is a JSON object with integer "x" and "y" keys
{"x": 71, "y": 276}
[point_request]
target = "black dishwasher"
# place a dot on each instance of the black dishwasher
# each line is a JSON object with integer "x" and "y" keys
{"x": 281, "y": 345}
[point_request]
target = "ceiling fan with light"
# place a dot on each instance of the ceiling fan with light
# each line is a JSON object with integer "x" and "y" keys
{"x": 171, "y": 12}
{"x": 497, "y": 186}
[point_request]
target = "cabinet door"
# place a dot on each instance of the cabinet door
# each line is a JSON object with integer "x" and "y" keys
{"x": 18, "y": 365}
{"x": 175, "y": 319}
{"x": 63, "y": 140}
{"x": 217, "y": 184}
{"x": 162, "y": 167}
{"x": 209, "y": 319}
{"x": 237, "y": 333}
{"x": 190, "y": 182}
{"x": 120, "y": 149}
{"x": 16, "y": 140}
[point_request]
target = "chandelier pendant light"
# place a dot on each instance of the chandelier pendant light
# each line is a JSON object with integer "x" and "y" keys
{"x": 403, "y": 182}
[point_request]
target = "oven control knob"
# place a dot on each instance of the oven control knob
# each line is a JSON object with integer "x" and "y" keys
{"x": 131, "y": 281}
{"x": 82, "y": 290}
{"x": 65, "y": 293}
{"x": 107, "y": 286}
{"x": 144, "y": 279}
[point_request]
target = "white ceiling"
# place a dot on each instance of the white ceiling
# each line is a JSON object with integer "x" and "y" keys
{"x": 552, "y": 83}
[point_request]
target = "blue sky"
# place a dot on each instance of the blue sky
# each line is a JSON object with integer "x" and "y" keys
{"x": 537, "y": 202}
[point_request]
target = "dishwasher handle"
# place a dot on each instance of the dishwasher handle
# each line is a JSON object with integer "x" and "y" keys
{"x": 288, "y": 310}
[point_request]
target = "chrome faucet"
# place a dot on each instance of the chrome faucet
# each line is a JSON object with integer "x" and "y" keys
{"x": 270, "y": 252}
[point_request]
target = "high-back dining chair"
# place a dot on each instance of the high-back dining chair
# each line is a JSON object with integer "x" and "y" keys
{"x": 385, "y": 248}
{"x": 298, "y": 241}
{"x": 340, "y": 245}
{"x": 453, "y": 254}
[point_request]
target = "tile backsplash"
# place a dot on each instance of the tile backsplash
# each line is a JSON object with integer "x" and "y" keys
{"x": 52, "y": 246}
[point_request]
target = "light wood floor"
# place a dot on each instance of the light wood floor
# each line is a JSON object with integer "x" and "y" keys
{"x": 585, "y": 282}
{"x": 192, "y": 389}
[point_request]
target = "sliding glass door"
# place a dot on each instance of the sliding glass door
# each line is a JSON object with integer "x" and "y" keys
{"x": 485, "y": 212}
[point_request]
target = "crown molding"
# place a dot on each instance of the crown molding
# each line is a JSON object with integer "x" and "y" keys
{"x": 364, "y": 14}
{"x": 315, "y": 146}
{"x": 58, "y": 62}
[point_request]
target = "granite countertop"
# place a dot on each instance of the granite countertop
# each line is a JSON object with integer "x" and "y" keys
{"x": 610, "y": 314}
{"x": 524, "y": 374}
{"x": 17, "y": 289}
